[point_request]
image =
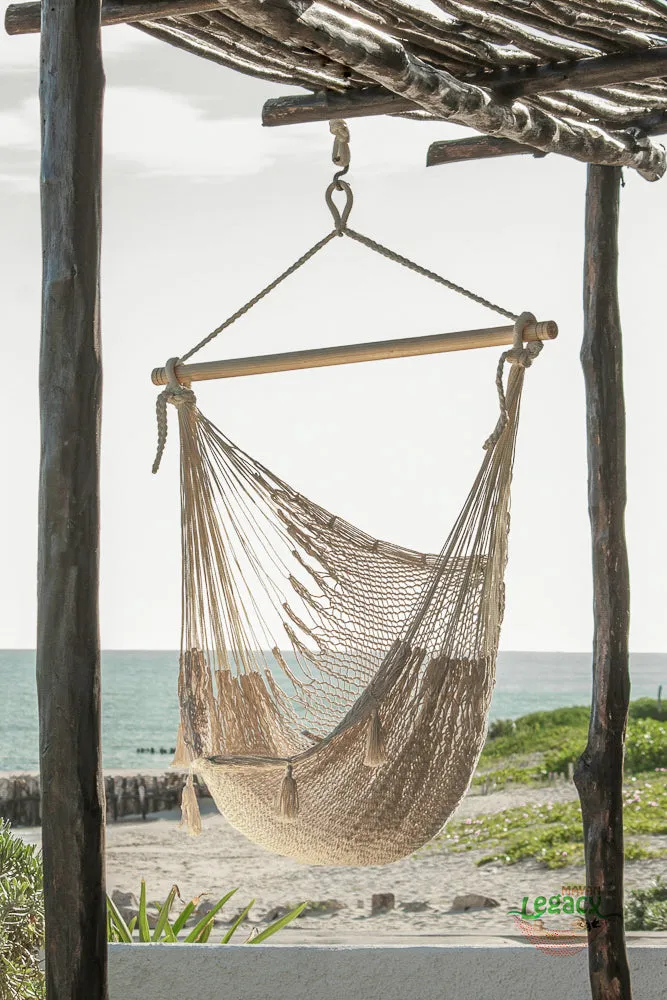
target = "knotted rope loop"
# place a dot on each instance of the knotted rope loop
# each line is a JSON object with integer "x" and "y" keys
{"x": 174, "y": 392}
{"x": 341, "y": 147}
{"x": 340, "y": 217}
{"x": 519, "y": 354}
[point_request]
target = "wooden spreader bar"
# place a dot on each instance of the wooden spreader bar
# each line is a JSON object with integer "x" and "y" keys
{"x": 382, "y": 350}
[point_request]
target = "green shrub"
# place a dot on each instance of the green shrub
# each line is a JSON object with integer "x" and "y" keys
{"x": 645, "y": 748}
{"x": 645, "y": 745}
{"x": 21, "y": 919}
{"x": 536, "y": 733}
{"x": 647, "y": 908}
{"x": 648, "y": 708}
{"x": 570, "y": 750}
{"x": 166, "y": 931}
{"x": 501, "y": 727}
{"x": 574, "y": 716}
{"x": 505, "y": 776}
{"x": 552, "y": 832}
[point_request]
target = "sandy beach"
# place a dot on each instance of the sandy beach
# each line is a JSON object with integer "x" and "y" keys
{"x": 424, "y": 885}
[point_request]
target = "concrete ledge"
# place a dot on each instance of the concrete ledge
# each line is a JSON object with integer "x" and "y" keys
{"x": 479, "y": 971}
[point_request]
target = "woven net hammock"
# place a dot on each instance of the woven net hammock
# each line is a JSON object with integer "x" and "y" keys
{"x": 356, "y": 745}
{"x": 358, "y": 749}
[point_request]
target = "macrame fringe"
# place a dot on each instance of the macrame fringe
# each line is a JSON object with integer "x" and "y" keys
{"x": 181, "y": 756}
{"x": 376, "y": 753}
{"x": 190, "y": 815}
{"x": 289, "y": 796}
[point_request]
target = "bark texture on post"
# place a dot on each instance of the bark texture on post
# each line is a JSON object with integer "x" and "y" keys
{"x": 68, "y": 647}
{"x": 599, "y": 771}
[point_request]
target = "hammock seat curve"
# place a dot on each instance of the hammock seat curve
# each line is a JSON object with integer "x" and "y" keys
{"x": 357, "y": 750}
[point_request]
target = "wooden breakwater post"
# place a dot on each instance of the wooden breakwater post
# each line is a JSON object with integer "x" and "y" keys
{"x": 20, "y": 800}
{"x": 133, "y": 795}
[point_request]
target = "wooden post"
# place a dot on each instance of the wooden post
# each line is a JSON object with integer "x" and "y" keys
{"x": 68, "y": 647}
{"x": 599, "y": 771}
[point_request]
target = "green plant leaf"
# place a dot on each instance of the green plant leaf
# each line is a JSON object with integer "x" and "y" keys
{"x": 165, "y": 910}
{"x": 278, "y": 924}
{"x": 196, "y": 931}
{"x": 205, "y": 934}
{"x": 169, "y": 936}
{"x": 144, "y": 930}
{"x": 237, "y": 923}
{"x": 186, "y": 913}
{"x": 132, "y": 924}
{"x": 115, "y": 918}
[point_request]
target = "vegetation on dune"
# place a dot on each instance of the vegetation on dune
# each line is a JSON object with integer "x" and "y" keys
{"x": 21, "y": 919}
{"x": 649, "y": 708}
{"x": 646, "y": 909}
{"x": 552, "y": 833}
{"x": 527, "y": 749}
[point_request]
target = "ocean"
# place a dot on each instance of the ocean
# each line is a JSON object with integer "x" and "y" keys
{"x": 140, "y": 705}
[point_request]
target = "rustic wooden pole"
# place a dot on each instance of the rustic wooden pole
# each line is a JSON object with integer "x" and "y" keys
{"x": 599, "y": 771}
{"x": 68, "y": 647}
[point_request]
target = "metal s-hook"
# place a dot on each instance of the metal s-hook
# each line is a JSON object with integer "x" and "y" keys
{"x": 340, "y": 217}
{"x": 341, "y": 158}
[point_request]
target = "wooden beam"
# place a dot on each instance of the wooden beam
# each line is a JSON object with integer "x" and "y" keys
{"x": 579, "y": 74}
{"x": 68, "y": 645}
{"x": 599, "y": 771}
{"x": 506, "y": 85}
{"x": 25, "y": 18}
{"x": 325, "y": 105}
{"x": 476, "y": 147}
{"x": 382, "y": 350}
{"x": 485, "y": 147}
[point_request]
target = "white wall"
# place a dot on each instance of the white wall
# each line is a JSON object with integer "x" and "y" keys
{"x": 332, "y": 972}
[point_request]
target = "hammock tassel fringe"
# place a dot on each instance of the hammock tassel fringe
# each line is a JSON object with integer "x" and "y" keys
{"x": 376, "y": 753}
{"x": 181, "y": 756}
{"x": 191, "y": 817}
{"x": 288, "y": 805}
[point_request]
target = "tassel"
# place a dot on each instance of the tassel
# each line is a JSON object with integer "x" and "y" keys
{"x": 289, "y": 796}
{"x": 181, "y": 756}
{"x": 190, "y": 815}
{"x": 376, "y": 753}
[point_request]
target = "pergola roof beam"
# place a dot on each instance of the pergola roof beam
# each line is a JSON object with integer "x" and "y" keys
{"x": 384, "y": 60}
{"x": 486, "y": 147}
{"x": 506, "y": 85}
{"x": 25, "y": 18}
{"x": 324, "y": 105}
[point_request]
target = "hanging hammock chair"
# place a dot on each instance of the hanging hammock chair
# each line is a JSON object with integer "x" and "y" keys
{"x": 355, "y": 747}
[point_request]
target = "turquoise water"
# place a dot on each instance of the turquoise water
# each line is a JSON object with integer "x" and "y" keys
{"x": 140, "y": 709}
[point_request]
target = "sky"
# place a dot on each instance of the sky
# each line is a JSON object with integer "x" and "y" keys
{"x": 202, "y": 207}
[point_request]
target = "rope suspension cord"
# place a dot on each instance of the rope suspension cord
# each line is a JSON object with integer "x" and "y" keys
{"x": 531, "y": 330}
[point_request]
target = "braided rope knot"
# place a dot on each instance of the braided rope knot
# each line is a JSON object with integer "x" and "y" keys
{"x": 518, "y": 354}
{"x": 341, "y": 147}
{"x": 183, "y": 396}
{"x": 178, "y": 395}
